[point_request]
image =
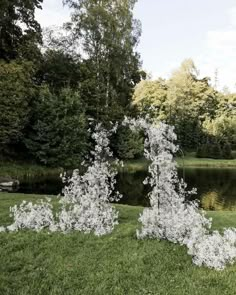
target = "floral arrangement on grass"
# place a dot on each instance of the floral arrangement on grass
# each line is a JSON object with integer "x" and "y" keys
{"x": 171, "y": 216}
{"x": 86, "y": 201}
{"x": 87, "y": 198}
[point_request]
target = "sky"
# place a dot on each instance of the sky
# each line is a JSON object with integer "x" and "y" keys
{"x": 173, "y": 30}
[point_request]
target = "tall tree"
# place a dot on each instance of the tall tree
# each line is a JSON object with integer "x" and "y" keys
{"x": 108, "y": 34}
{"x": 184, "y": 101}
{"x": 190, "y": 95}
{"x": 19, "y": 31}
{"x": 150, "y": 98}
{"x": 58, "y": 70}
{"x": 16, "y": 92}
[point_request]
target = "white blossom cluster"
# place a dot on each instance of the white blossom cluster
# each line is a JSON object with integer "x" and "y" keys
{"x": 86, "y": 207}
{"x": 31, "y": 216}
{"x": 86, "y": 200}
{"x": 214, "y": 250}
{"x": 171, "y": 216}
{"x": 85, "y": 204}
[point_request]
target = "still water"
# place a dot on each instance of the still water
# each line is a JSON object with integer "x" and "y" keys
{"x": 216, "y": 187}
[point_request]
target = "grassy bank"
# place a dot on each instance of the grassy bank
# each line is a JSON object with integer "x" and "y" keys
{"x": 21, "y": 170}
{"x": 116, "y": 264}
{"x": 189, "y": 160}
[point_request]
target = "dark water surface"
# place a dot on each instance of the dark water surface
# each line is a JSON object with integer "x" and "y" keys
{"x": 216, "y": 186}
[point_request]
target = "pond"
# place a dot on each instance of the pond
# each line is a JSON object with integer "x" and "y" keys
{"x": 216, "y": 187}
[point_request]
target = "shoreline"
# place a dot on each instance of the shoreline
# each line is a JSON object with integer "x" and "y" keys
{"x": 23, "y": 170}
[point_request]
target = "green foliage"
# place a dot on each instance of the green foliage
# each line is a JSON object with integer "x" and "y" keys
{"x": 59, "y": 70}
{"x": 103, "y": 81}
{"x": 16, "y": 92}
{"x": 58, "y": 129}
{"x": 223, "y": 127}
{"x": 189, "y": 95}
{"x": 227, "y": 104}
{"x": 128, "y": 144}
{"x": 150, "y": 98}
{"x": 19, "y": 31}
{"x": 188, "y": 131}
{"x": 226, "y": 151}
{"x": 195, "y": 108}
{"x": 184, "y": 101}
{"x": 214, "y": 150}
{"x": 108, "y": 34}
{"x": 203, "y": 151}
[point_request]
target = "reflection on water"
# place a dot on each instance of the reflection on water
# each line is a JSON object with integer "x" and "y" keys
{"x": 212, "y": 201}
{"x": 216, "y": 187}
{"x": 43, "y": 186}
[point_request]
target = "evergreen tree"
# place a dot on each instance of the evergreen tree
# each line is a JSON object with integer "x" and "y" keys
{"x": 57, "y": 133}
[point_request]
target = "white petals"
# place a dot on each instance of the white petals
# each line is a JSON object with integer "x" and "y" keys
{"x": 85, "y": 202}
{"x": 171, "y": 217}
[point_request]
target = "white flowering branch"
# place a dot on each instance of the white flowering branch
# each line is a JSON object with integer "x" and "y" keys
{"x": 86, "y": 199}
{"x": 89, "y": 195}
{"x": 171, "y": 216}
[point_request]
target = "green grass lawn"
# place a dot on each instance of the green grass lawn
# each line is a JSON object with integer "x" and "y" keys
{"x": 49, "y": 264}
{"x": 190, "y": 160}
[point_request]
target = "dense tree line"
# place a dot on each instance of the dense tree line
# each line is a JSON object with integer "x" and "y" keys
{"x": 202, "y": 116}
{"x": 55, "y": 82}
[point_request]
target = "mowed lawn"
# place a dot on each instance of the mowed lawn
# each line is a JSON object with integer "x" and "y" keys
{"x": 75, "y": 263}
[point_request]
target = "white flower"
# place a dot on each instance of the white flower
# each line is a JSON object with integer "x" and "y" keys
{"x": 86, "y": 201}
{"x": 86, "y": 198}
{"x": 171, "y": 217}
